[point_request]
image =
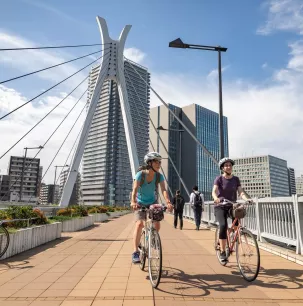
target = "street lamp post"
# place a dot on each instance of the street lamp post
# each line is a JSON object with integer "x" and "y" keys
{"x": 161, "y": 128}
{"x": 23, "y": 166}
{"x": 178, "y": 43}
{"x": 55, "y": 179}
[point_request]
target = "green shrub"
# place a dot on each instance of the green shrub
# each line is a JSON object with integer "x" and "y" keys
{"x": 41, "y": 217}
{"x": 80, "y": 210}
{"x": 93, "y": 210}
{"x": 67, "y": 212}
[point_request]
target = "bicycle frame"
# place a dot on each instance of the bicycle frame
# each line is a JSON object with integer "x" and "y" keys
{"x": 231, "y": 230}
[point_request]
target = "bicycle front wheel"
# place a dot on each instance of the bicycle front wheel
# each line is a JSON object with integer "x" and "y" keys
{"x": 4, "y": 240}
{"x": 154, "y": 258}
{"x": 248, "y": 255}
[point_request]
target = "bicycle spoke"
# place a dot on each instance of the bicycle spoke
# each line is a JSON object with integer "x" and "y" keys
{"x": 248, "y": 255}
{"x": 155, "y": 259}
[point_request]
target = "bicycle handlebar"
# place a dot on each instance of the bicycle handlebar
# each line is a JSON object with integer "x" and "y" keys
{"x": 226, "y": 202}
{"x": 144, "y": 208}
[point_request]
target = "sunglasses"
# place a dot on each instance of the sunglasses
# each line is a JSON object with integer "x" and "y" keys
{"x": 157, "y": 161}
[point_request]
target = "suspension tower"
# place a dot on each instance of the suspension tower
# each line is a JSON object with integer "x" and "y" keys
{"x": 111, "y": 68}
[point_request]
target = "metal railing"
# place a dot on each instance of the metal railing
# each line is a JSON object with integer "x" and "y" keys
{"x": 278, "y": 219}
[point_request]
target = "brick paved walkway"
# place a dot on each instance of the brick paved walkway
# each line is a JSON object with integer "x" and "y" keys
{"x": 93, "y": 267}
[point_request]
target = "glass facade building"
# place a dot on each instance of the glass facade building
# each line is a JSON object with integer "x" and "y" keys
{"x": 106, "y": 169}
{"x": 195, "y": 167}
{"x": 207, "y": 132}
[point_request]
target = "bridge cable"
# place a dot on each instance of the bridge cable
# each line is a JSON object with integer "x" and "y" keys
{"x": 49, "y": 138}
{"x": 177, "y": 118}
{"x": 63, "y": 141}
{"x": 126, "y": 73}
{"x": 52, "y": 87}
{"x": 160, "y": 140}
{"x": 31, "y": 73}
{"x": 55, "y": 47}
{"x": 70, "y": 152}
{"x": 43, "y": 118}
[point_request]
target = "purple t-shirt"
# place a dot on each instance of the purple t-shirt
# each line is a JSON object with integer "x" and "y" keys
{"x": 227, "y": 188}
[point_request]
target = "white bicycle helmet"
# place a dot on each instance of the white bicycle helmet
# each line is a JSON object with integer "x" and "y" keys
{"x": 152, "y": 156}
{"x": 225, "y": 160}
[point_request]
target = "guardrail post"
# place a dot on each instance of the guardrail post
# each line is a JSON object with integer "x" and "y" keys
{"x": 259, "y": 217}
{"x": 298, "y": 211}
{"x": 209, "y": 214}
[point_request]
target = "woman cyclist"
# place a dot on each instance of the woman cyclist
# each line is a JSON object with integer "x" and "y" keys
{"x": 226, "y": 186}
{"x": 145, "y": 194}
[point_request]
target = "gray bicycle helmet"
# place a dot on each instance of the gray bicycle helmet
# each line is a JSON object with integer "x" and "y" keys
{"x": 225, "y": 160}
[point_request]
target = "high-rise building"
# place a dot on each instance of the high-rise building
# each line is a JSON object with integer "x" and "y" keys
{"x": 25, "y": 177}
{"x": 263, "y": 176}
{"x": 107, "y": 177}
{"x": 195, "y": 166}
{"x": 291, "y": 181}
{"x": 4, "y": 188}
{"x": 75, "y": 196}
{"x": 49, "y": 194}
{"x": 39, "y": 186}
{"x": 299, "y": 185}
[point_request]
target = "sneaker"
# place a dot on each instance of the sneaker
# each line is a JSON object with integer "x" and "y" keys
{"x": 223, "y": 256}
{"x": 136, "y": 257}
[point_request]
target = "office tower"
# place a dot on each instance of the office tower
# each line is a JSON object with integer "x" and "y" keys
{"x": 107, "y": 177}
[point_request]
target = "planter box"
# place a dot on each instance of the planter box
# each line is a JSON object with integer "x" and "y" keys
{"x": 100, "y": 217}
{"x": 28, "y": 238}
{"x": 77, "y": 224}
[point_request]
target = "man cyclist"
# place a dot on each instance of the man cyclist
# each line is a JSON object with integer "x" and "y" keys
{"x": 145, "y": 194}
{"x": 226, "y": 186}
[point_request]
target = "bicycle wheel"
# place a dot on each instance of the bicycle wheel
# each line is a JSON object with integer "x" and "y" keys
{"x": 217, "y": 248}
{"x": 4, "y": 240}
{"x": 248, "y": 255}
{"x": 142, "y": 250}
{"x": 154, "y": 258}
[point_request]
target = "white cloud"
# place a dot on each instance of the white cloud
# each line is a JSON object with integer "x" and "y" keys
{"x": 266, "y": 120}
{"x": 212, "y": 77}
{"x": 18, "y": 123}
{"x": 135, "y": 55}
{"x": 283, "y": 15}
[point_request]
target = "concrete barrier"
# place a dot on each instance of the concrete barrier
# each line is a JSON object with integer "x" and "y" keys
{"x": 28, "y": 238}
{"x": 77, "y": 224}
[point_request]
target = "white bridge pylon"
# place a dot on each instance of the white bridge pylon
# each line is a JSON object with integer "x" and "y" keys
{"x": 111, "y": 68}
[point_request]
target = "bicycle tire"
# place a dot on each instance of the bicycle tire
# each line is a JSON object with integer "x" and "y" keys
{"x": 217, "y": 247}
{"x": 154, "y": 240}
{"x": 4, "y": 240}
{"x": 257, "y": 266}
{"x": 142, "y": 248}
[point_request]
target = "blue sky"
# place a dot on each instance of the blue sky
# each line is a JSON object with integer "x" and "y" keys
{"x": 262, "y": 67}
{"x": 232, "y": 24}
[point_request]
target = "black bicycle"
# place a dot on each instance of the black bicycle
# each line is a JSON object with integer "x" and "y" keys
{"x": 4, "y": 239}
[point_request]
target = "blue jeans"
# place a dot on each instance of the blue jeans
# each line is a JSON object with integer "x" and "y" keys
{"x": 198, "y": 213}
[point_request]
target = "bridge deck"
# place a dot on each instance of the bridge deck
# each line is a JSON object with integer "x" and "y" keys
{"x": 93, "y": 267}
